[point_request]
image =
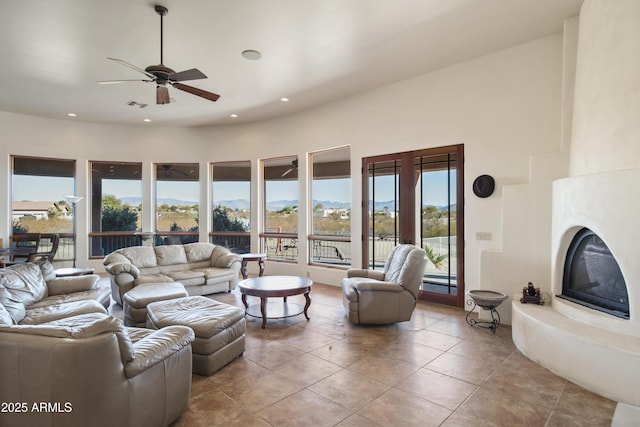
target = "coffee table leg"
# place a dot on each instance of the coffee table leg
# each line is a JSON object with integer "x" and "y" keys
{"x": 263, "y": 310}
{"x": 308, "y": 303}
{"x": 244, "y": 301}
{"x": 261, "y": 265}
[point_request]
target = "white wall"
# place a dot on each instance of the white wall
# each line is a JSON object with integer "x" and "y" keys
{"x": 503, "y": 107}
{"x": 607, "y": 98}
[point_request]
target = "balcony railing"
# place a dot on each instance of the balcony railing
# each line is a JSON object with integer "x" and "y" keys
{"x": 237, "y": 241}
{"x": 330, "y": 250}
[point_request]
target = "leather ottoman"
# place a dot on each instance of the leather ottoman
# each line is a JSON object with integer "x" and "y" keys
{"x": 219, "y": 329}
{"x": 136, "y": 300}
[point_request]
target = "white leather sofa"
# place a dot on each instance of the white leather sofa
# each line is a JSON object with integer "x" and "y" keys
{"x": 203, "y": 268}
{"x": 65, "y": 362}
{"x": 31, "y": 294}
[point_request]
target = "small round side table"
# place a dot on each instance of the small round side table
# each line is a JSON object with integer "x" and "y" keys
{"x": 252, "y": 257}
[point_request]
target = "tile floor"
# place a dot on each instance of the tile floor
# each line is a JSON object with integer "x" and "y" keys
{"x": 434, "y": 370}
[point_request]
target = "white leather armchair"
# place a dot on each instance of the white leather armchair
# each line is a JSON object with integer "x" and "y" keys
{"x": 89, "y": 370}
{"x": 389, "y": 296}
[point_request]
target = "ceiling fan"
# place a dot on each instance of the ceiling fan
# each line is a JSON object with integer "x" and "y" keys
{"x": 294, "y": 167}
{"x": 162, "y": 75}
{"x": 170, "y": 169}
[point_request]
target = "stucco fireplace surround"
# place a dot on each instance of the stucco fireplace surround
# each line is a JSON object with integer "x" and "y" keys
{"x": 596, "y": 350}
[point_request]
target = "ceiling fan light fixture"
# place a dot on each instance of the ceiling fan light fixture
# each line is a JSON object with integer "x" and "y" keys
{"x": 162, "y": 95}
{"x": 251, "y": 54}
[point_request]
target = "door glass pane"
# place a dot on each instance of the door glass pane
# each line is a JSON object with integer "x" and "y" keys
{"x": 384, "y": 206}
{"x": 437, "y": 182}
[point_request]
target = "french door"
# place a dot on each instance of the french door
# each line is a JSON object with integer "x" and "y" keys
{"x": 417, "y": 197}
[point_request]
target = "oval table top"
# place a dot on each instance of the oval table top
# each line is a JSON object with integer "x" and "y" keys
{"x": 274, "y": 285}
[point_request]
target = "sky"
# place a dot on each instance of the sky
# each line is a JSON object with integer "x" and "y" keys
{"x": 339, "y": 190}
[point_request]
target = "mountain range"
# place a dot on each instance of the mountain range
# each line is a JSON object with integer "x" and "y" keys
{"x": 243, "y": 204}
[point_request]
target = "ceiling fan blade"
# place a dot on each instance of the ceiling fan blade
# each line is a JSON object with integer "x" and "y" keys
{"x": 198, "y": 92}
{"x": 133, "y": 67}
{"x": 112, "y": 82}
{"x": 162, "y": 95}
{"x": 192, "y": 74}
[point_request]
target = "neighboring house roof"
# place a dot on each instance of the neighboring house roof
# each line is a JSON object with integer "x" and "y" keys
{"x": 27, "y": 205}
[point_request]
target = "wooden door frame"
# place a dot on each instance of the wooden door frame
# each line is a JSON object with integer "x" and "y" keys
{"x": 407, "y": 209}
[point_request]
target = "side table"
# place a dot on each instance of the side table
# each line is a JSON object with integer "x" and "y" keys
{"x": 252, "y": 257}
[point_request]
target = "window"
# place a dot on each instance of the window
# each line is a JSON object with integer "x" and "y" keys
{"x": 231, "y": 205}
{"x": 177, "y": 206}
{"x": 329, "y": 243}
{"x": 280, "y": 234}
{"x": 116, "y": 205}
{"x": 38, "y": 190}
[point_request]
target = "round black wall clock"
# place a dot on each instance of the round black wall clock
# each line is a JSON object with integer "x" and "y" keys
{"x": 483, "y": 186}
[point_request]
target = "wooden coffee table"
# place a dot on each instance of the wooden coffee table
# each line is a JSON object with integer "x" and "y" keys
{"x": 275, "y": 286}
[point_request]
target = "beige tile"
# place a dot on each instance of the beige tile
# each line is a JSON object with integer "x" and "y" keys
{"x": 459, "y": 420}
{"x": 212, "y": 408}
{"x": 438, "y": 388}
{"x": 307, "y": 340}
{"x": 503, "y": 408}
{"x": 356, "y": 420}
{"x": 258, "y": 392}
{"x": 436, "y": 340}
{"x": 306, "y": 369}
{"x": 304, "y": 408}
{"x": 584, "y": 406}
{"x": 272, "y": 354}
{"x": 467, "y": 369}
{"x": 397, "y": 408}
{"x": 386, "y": 371}
{"x": 342, "y": 353}
{"x": 349, "y": 389}
{"x": 409, "y": 351}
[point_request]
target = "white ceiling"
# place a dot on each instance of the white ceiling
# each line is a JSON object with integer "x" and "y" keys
{"x": 313, "y": 51}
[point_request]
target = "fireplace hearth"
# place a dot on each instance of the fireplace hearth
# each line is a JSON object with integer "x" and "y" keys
{"x": 592, "y": 276}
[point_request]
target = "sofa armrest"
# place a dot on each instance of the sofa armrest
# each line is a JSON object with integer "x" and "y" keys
{"x": 376, "y": 286}
{"x": 371, "y": 274}
{"x": 158, "y": 346}
{"x": 67, "y": 285}
{"x": 123, "y": 267}
{"x": 227, "y": 260}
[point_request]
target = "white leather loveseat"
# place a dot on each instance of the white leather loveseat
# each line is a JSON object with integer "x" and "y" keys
{"x": 203, "y": 268}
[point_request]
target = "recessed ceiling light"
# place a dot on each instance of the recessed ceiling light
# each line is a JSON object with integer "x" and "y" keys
{"x": 284, "y": 99}
{"x": 251, "y": 54}
{"x": 233, "y": 116}
{"x": 71, "y": 114}
{"x": 146, "y": 120}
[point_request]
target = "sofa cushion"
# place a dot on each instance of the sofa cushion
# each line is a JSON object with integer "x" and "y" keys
{"x": 140, "y": 256}
{"x": 170, "y": 255}
{"x": 49, "y": 313}
{"x": 199, "y": 251}
{"x": 48, "y": 273}
{"x": 25, "y": 282}
{"x": 186, "y": 275}
{"x": 11, "y": 303}
{"x": 5, "y": 317}
{"x": 96, "y": 294}
{"x": 153, "y": 278}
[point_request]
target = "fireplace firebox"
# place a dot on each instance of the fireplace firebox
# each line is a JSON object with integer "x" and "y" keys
{"x": 592, "y": 276}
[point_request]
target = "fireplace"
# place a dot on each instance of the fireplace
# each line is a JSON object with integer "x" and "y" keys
{"x": 592, "y": 276}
